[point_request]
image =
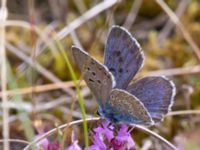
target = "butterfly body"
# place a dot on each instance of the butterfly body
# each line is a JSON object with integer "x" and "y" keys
{"x": 144, "y": 102}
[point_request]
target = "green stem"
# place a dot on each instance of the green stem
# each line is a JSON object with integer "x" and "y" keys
{"x": 80, "y": 99}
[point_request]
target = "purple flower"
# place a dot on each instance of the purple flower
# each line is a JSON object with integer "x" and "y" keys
{"x": 53, "y": 146}
{"x": 74, "y": 145}
{"x": 123, "y": 140}
{"x": 43, "y": 143}
{"x": 104, "y": 137}
{"x": 46, "y": 144}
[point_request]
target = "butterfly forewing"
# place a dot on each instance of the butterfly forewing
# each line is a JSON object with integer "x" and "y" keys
{"x": 156, "y": 93}
{"x": 127, "y": 108}
{"x": 123, "y": 56}
{"x": 98, "y": 78}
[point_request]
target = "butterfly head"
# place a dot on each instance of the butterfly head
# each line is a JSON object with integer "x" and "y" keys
{"x": 108, "y": 114}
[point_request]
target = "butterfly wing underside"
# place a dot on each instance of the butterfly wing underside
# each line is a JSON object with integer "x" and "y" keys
{"x": 123, "y": 56}
{"x": 98, "y": 78}
{"x": 156, "y": 93}
{"x": 127, "y": 108}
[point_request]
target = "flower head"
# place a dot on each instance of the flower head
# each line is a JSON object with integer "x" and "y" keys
{"x": 74, "y": 145}
{"x": 123, "y": 140}
{"x": 45, "y": 144}
{"x": 104, "y": 137}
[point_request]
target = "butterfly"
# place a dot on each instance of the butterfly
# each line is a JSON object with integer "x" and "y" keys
{"x": 144, "y": 102}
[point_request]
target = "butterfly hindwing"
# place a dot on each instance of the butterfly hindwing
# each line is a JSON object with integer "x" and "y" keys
{"x": 123, "y": 56}
{"x": 125, "y": 107}
{"x": 156, "y": 93}
{"x": 98, "y": 78}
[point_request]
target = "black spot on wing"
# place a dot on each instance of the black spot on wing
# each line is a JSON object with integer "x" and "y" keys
{"x": 118, "y": 53}
{"x": 99, "y": 81}
{"x": 91, "y": 80}
{"x": 120, "y": 70}
{"x": 121, "y": 59}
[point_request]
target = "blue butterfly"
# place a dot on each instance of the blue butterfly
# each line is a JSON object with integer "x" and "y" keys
{"x": 144, "y": 102}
